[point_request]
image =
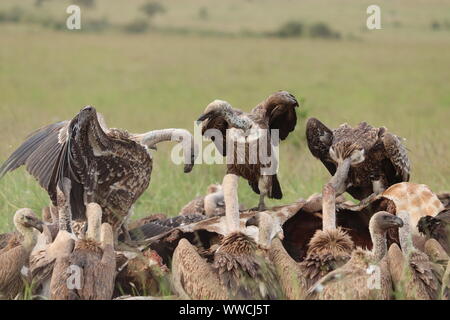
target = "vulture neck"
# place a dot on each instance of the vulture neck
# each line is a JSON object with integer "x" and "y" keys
{"x": 404, "y": 232}
{"x": 65, "y": 217}
{"x": 237, "y": 121}
{"x": 94, "y": 220}
{"x": 339, "y": 178}
{"x": 230, "y": 185}
{"x": 29, "y": 237}
{"x": 379, "y": 242}
{"x": 328, "y": 208}
{"x": 152, "y": 138}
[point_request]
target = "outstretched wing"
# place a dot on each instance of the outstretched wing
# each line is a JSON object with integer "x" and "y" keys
{"x": 40, "y": 153}
{"x": 397, "y": 154}
{"x": 320, "y": 139}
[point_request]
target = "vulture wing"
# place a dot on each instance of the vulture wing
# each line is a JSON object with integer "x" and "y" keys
{"x": 39, "y": 153}
{"x": 320, "y": 139}
{"x": 396, "y": 153}
{"x": 46, "y": 156}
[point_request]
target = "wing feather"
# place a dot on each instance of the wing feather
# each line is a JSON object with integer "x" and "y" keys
{"x": 397, "y": 154}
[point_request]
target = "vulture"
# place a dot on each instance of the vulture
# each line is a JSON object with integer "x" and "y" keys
{"x": 247, "y": 139}
{"x": 110, "y": 167}
{"x": 364, "y": 160}
{"x": 238, "y": 268}
{"x": 15, "y": 256}
{"x": 209, "y": 205}
{"x": 328, "y": 249}
{"x": 414, "y": 275}
{"x": 351, "y": 281}
{"x": 50, "y": 252}
{"x": 437, "y": 227}
{"x": 91, "y": 267}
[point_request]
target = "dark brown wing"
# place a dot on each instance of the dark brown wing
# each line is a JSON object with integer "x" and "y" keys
{"x": 397, "y": 154}
{"x": 279, "y": 109}
{"x": 218, "y": 123}
{"x": 39, "y": 153}
{"x": 320, "y": 139}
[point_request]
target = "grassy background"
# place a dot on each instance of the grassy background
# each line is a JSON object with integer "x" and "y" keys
{"x": 396, "y": 77}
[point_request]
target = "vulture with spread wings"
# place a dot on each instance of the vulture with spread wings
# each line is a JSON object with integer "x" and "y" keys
{"x": 364, "y": 160}
{"x": 245, "y": 138}
{"x": 108, "y": 166}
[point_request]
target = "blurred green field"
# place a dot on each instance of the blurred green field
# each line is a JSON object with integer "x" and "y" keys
{"x": 396, "y": 77}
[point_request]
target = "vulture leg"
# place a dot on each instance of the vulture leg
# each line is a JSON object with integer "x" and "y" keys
{"x": 264, "y": 187}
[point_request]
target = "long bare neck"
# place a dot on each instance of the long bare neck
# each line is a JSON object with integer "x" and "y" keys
{"x": 230, "y": 184}
{"x": 94, "y": 220}
{"x": 339, "y": 178}
{"x": 379, "y": 243}
{"x": 404, "y": 232}
{"x": 29, "y": 237}
{"x": 65, "y": 216}
{"x": 328, "y": 207}
{"x": 152, "y": 138}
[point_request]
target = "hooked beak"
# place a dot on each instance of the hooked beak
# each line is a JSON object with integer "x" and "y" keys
{"x": 397, "y": 222}
{"x": 205, "y": 116}
{"x": 35, "y": 223}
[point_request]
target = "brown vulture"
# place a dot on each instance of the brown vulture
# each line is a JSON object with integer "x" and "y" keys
{"x": 107, "y": 166}
{"x": 364, "y": 160}
{"x": 249, "y": 132}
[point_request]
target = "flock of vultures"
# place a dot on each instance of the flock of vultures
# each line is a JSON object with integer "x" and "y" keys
{"x": 393, "y": 244}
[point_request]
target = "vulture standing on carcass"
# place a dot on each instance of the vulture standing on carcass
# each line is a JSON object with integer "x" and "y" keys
{"x": 328, "y": 249}
{"x": 91, "y": 266}
{"x": 15, "y": 256}
{"x": 414, "y": 275}
{"x": 107, "y": 166}
{"x": 366, "y": 275}
{"x": 239, "y": 267}
{"x": 364, "y": 160}
{"x": 248, "y": 135}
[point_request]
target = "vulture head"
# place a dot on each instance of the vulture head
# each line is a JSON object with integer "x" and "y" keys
{"x": 216, "y": 108}
{"x": 383, "y": 221}
{"x": 347, "y": 150}
{"x": 25, "y": 218}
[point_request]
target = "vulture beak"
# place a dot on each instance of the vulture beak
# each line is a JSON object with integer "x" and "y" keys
{"x": 35, "y": 223}
{"x": 205, "y": 116}
{"x": 397, "y": 222}
{"x": 188, "y": 167}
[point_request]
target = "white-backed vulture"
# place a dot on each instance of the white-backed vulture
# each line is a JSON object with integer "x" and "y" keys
{"x": 366, "y": 275}
{"x": 364, "y": 160}
{"x": 248, "y": 135}
{"x": 238, "y": 269}
{"x": 91, "y": 267}
{"x": 414, "y": 275}
{"x": 15, "y": 256}
{"x": 328, "y": 249}
{"x": 209, "y": 205}
{"x": 107, "y": 166}
{"x": 48, "y": 251}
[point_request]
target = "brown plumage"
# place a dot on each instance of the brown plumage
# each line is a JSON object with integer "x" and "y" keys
{"x": 445, "y": 199}
{"x": 414, "y": 275}
{"x": 437, "y": 227}
{"x": 91, "y": 266}
{"x": 240, "y": 269}
{"x": 108, "y": 166}
{"x": 328, "y": 249}
{"x": 351, "y": 281}
{"x": 209, "y": 205}
{"x": 363, "y": 160}
{"x": 15, "y": 255}
{"x": 276, "y": 112}
{"x": 140, "y": 273}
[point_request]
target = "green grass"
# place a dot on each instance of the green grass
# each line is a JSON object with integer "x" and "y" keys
{"x": 395, "y": 77}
